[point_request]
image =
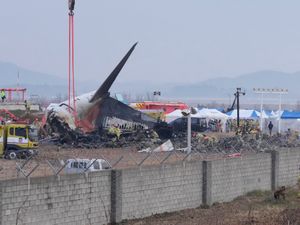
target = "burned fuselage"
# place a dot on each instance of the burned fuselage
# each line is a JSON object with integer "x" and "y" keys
{"x": 95, "y": 109}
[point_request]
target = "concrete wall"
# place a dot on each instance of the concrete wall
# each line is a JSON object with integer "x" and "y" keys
{"x": 289, "y": 167}
{"x": 231, "y": 178}
{"x": 154, "y": 190}
{"x": 21, "y": 106}
{"x": 74, "y": 199}
{"x": 112, "y": 196}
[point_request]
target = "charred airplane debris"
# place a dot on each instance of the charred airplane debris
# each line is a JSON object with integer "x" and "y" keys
{"x": 103, "y": 121}
{"x": 96, "y": 112}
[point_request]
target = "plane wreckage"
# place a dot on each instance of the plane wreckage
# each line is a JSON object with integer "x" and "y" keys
{"x": 96, "y": 111}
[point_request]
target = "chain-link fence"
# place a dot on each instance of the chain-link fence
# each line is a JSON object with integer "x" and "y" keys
{"x": 53, "y": 160}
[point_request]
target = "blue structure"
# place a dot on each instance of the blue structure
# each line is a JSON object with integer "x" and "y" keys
{"x": 290, "y": 115}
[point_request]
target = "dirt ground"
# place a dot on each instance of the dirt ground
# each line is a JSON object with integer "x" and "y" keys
{"x": 118, "y": 158}
{"x": 254, "y": 208}
{"x": 49, "y": 159}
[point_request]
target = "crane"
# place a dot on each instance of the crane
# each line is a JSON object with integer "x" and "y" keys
{"x": 71, "y": 5}
{"x": 71, "y": 77}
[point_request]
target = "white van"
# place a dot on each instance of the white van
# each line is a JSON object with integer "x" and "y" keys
{"x": 84, "y": 165}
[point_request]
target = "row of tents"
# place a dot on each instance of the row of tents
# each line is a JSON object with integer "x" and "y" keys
{"x": 216, "y": 114}
{"x": 289, "y": 119}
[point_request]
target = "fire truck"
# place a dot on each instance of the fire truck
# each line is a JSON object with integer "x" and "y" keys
{"x": 165, "y": 107}
{"x": 16, "y": 142}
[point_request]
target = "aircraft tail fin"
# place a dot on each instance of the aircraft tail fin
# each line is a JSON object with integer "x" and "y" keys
{"x": 103, "y": 90}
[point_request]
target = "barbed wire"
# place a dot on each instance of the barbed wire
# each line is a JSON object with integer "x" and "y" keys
{"x": 202, "y": 149}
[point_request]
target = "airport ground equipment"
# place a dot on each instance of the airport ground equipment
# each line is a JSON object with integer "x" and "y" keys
{"x": 15, "y": 141}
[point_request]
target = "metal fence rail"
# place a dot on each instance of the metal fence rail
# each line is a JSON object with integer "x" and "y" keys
{"x": 202, "y": 149}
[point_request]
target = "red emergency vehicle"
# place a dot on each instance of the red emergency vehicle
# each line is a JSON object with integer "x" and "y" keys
{"x": 167, "y": 107}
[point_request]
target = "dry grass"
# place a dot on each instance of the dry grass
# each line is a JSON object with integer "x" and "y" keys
{"x": 254, "y": 208}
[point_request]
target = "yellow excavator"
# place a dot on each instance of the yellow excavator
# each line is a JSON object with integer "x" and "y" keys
{"x": 16, "y": 142}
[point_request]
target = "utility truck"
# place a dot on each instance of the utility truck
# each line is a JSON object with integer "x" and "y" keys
{"x": 16, "y": 142}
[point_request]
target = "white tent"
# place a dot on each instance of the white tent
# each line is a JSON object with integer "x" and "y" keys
{"x": 264, "y": 115}
{"x": 269, "y": 114}
{"x": 244, "y": 114}
{"x": 173, "y": 115}
{"x": 210, "y": 114}
{"x": 203, "y": 113}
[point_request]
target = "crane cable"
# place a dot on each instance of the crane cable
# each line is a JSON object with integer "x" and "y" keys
{"x": 69, "y": 68}
{"x": 73, "y": 66}
{"x": 71, "y": 73}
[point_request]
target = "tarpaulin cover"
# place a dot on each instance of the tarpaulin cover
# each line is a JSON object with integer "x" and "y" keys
{"x": 244, "y": 114}
{"x": 290, "y": 115}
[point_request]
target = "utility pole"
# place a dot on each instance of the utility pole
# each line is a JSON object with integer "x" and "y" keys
{"x": 237, "y": 94}
{"x": 188, "y": 114}
{"x": 189, "y": 133}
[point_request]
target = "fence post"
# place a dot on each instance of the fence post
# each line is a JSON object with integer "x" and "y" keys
{"x": 116, "y": 196}
{"x": 1, "y": 202}
{"x": 207, "y": 183}
{"x": 274, "y": 169}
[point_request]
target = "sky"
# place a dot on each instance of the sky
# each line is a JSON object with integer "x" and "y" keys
{"x": 179, "y": 41}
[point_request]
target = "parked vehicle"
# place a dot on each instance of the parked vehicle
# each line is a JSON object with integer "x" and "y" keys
{"x": 86, "y": 165}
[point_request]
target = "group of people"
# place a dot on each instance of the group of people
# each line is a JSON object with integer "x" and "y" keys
{"x": 214, "y": 125}
{"x": 246, "y": 126}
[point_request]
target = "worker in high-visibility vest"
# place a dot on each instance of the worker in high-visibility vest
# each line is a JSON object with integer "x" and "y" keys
{"x": 115, "y": 130}
{"x": 3, "y": 95}
{"x": 27, "y": 106}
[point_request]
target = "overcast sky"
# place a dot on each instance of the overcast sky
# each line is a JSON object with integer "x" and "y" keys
{"x": 179, "y": 41}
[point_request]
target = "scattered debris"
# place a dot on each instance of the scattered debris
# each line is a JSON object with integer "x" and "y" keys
{"x": 234, "y": 155}
{"x": 165, "y": 147}
{"x": 140, "y": 138}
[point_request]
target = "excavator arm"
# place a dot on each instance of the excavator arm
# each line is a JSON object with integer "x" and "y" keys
{"x": 233, "y": 104}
